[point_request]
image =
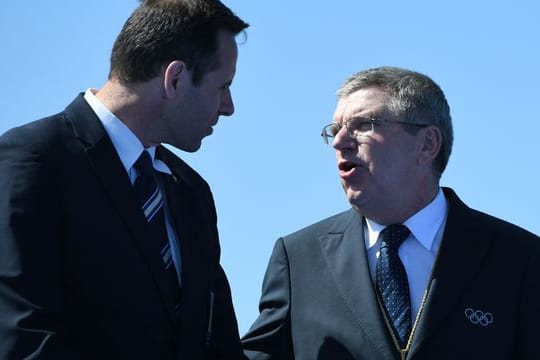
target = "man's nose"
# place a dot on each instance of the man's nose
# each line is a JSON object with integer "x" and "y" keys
{"x": 343, "y": 139}
{"x": 227, "y": 104}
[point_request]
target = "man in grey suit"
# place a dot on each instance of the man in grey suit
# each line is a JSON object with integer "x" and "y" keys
{"x": 410, "y": 272}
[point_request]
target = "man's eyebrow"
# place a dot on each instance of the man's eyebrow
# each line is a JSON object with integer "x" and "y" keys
{"x": 369, "y": 116}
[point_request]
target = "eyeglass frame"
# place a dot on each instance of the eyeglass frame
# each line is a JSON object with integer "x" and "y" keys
{"x": 372, "y": 120}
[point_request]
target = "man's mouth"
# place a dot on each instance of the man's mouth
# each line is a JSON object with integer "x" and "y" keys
{"x": 347, "y": 166}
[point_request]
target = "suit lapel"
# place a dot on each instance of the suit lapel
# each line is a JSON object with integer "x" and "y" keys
{"x": 190, "y": 222}
{"x": 463, "y": 247}
{"x": 195, "y": 232}
{"x": 345, "y": 255}
{"x": 108, "y": 168}
{"x": 191, "y": 229}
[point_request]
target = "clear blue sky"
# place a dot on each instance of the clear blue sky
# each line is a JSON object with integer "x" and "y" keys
{"x": 267, "y": 166}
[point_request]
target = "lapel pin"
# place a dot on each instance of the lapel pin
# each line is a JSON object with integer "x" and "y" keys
{"x": 479, "y": 317}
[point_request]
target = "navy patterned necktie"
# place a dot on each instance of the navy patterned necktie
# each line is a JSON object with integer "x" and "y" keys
{"x": 391, "y": 282}
{"x": 151, "y": 200}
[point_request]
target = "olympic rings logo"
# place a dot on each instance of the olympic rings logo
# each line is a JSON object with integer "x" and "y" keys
{"x": 478, "y": 317}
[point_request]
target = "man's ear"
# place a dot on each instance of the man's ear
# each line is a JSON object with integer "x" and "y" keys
{"x": 431, "y": 144}
{"x": 174, "y": 73}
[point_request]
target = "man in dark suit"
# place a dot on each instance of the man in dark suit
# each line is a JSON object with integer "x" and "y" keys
{"x": 410, "y": 272}
{"x": 108, "y": 241}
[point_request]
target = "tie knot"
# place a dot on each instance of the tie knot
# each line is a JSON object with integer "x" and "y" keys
{"x": 144, "y": 165}
{"x": 393, "y": 236}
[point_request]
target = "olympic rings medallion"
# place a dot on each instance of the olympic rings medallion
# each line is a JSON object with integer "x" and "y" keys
{"x": 478, "y": 317}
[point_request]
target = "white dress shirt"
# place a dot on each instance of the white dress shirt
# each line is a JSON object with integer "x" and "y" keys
{"x": 129, "y": 148}
{"x": 418, "y": 251}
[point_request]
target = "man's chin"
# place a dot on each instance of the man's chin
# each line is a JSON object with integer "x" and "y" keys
{"x": 190, "y": 147}
{"x": 355, "y": 197}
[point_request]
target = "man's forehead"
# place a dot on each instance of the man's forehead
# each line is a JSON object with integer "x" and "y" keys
{"x": 364, "y": 101}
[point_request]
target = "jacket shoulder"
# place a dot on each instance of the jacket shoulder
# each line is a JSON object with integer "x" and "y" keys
{"x": 37, "y": 139}
{"x": 501, "y": 227}
{"x": 498, "y": 230}
{"x": 335, "y": 222}
{"x": 41, "y": 131}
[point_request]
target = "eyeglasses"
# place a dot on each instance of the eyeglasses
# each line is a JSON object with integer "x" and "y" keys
{"x": 359, "y": 126}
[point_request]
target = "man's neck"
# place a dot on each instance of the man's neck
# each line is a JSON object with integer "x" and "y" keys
{"x": 133, "y": 105}
{"x": 399, "y": 211}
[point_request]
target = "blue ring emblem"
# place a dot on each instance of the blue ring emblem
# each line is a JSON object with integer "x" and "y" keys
{"x": 478, "y": 317}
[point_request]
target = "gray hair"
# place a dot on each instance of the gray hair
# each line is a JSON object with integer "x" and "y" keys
{"x": 412, "y": 95}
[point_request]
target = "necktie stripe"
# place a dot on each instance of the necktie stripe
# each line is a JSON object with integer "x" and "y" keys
{"x": 167, "y": 256}
{"x": 153, "y": 205}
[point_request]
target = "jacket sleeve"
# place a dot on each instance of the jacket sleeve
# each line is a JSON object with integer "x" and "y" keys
{"x": 31, "y": 310}
{"x": 270, "y": 335}
{"x": 222, "y": 337}
{"x": 222, "y": 334}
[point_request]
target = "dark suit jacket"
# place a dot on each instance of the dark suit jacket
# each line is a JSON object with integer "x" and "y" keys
{"x": 318, "y": 299}
{"x": 77, "y": 278}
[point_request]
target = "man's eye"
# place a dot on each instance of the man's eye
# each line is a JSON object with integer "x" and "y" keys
{"x": 334, "y": 129}
{"x": 226, "y": 86}
{"x": 360, "y": 125}
{"x": 364, "y": 126}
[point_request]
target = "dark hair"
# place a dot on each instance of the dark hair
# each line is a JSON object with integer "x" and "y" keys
{"x": 160, "y": 31}
{"x": 412, "y": 95}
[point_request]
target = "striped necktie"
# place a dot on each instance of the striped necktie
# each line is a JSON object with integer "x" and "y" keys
{"x": 151, "y": 200}
{"x": 392, "y": 284}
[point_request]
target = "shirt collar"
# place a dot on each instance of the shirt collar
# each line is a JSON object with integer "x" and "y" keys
{"x": 423, "y": 225}
{"x": 126, "y": 143}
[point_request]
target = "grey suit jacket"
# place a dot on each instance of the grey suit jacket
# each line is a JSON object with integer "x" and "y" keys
{"x": 318, "y": 299}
